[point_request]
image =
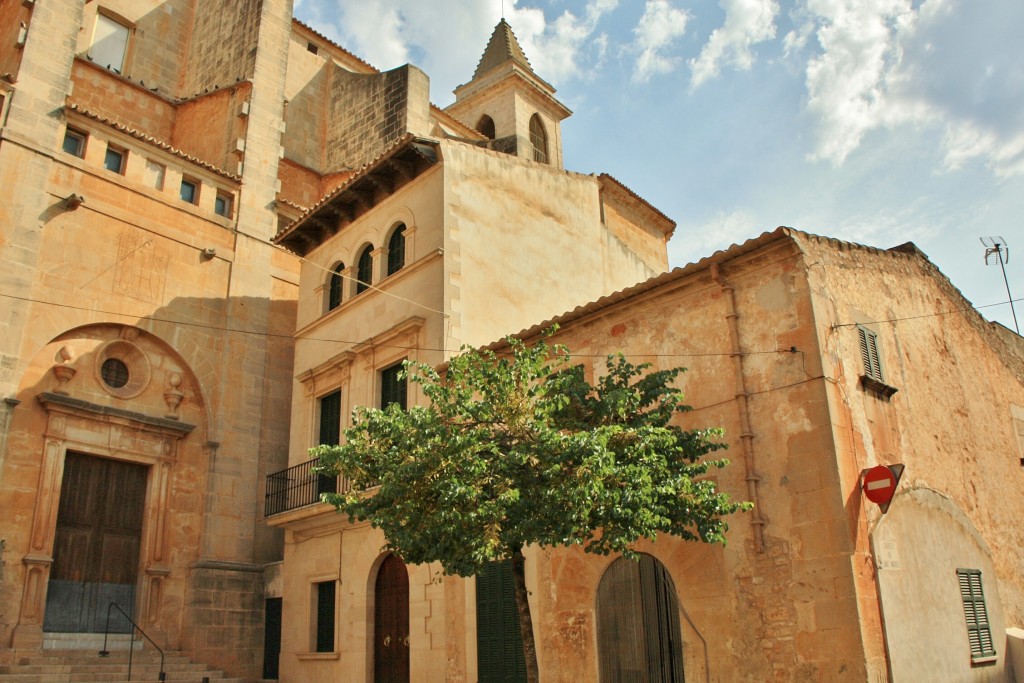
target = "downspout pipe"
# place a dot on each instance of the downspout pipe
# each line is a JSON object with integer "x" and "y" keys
{"x": 743, "y": 406}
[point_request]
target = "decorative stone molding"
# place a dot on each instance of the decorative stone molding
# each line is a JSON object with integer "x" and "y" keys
{"x": 135, "y": 361}
{"x": 64, "y": 368}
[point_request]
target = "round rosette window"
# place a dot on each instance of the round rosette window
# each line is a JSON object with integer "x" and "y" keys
{"x": 122, "y": 368}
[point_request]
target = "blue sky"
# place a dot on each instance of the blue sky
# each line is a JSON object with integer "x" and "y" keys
{"x": 874, "y": 121}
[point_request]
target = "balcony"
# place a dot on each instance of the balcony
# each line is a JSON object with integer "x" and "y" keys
{"x": 298, "y": 487}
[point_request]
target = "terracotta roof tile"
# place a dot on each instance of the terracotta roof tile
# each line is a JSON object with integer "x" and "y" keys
{"x": 152, "y": 141}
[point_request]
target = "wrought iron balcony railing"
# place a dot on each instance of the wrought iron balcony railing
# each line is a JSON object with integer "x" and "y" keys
{"x": 298, "y": 487}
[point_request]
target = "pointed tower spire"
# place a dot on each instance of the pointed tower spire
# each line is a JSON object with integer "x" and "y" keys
{"x": 509, "y": 103}
{"x": 501, "y": 48}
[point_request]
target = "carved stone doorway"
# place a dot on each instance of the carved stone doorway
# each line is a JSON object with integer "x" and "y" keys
{"x": 96, "y": 545}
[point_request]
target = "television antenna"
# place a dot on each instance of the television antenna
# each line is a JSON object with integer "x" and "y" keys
{"x": 998, "y": 248}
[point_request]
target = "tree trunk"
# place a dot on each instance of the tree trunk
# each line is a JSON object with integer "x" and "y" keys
{"x": 525, "y": 620}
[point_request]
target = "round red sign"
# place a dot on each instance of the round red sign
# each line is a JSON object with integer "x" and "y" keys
{"x": 879, "y": 484}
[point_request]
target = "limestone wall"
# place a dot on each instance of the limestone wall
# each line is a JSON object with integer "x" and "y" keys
{"x": 524, "y": 243}
{"x": 366, "y": 113}
{"x": 222, "y": 48}
{"x": 158, "y": 43}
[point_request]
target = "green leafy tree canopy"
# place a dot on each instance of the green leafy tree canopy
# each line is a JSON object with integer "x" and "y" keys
{"x": 520, "y": 449}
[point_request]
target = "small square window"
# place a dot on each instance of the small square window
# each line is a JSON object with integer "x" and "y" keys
{"x": 114, "y": 159}
{"x": 155, "y": 174}
{"x": 311, "y": 47}
{"x": 74, "y": 142}
{"x": 222, "y": 205}
{"x": 189, "y": 190}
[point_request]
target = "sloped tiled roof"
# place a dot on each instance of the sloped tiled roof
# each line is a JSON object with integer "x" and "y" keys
{"x": 152, "y": 141}
{"x": 501, "y": 48}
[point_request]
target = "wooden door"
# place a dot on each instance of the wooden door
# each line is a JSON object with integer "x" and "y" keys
{"x": 638, "y": 630}
{"x": 96, "y": 547}
{"x": 391, "y": 623}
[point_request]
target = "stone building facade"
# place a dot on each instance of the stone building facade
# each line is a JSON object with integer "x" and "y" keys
{"x": 214, "y": 252}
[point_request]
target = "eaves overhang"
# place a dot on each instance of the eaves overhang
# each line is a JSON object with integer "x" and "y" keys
{"x": 405, "y": 161}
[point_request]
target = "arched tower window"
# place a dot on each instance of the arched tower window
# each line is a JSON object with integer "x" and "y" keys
{"x": 486, "y": 126}
{"x": 539, "y": 139}
{"x": 364, "y": 271}
{"x": 334, "y": 287}
{"x": 396, "y": 249}
{"x": 638, "y": 631}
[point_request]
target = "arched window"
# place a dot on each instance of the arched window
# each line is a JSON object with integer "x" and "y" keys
{"x": 486, "y": 126}
{"x": 396, "y": 249}
{"x": 334, "y": 287}
{"x": 539, "y": 139}
{"x": 391, "y": 621}
{"x": 364, "y": 271}
{"x": 638, "y": 631}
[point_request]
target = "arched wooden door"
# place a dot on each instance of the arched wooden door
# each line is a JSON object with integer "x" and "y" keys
{"x": 638, "y": 629}
{"x": 391, "y": 622}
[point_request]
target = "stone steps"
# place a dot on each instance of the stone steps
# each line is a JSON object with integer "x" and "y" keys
{"x": 86, "y": 666}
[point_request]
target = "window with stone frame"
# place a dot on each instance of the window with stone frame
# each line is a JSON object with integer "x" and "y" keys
{"x": 109, "y": 47}
{"x": 393, "y": 388}
{"x": 538, "y": 139}
{"x": 364, "y": 269}
{"x": 74, "y": 142}
{"x": 324, "y": 611}
{"x": 335, "y": 287}
{"x": 396, "y": 249}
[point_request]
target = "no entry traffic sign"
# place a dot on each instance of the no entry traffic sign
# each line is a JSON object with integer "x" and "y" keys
{"x": 879, "y": 484}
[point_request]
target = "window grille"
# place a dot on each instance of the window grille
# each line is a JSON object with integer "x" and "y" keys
{"x": 979, "y": 634}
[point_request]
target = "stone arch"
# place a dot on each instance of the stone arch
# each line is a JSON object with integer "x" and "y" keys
{"x": 68, "y": 404}
{"x": 919, "y": 545}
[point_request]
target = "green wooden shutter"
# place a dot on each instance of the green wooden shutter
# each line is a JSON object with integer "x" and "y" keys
{"x": 325, "y": 616}
{"x": 499, "y": 643}
{"x": 979, "y": 633}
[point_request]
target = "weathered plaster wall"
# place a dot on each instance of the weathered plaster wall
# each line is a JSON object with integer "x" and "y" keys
{"x": 789, "y": 610}
{"x": 951, "y": 420}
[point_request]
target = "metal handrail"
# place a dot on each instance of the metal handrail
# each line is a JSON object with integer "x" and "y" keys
{"x": 131, "y": 649}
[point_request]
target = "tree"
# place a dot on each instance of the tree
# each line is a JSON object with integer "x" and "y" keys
{"x": 520, "y": 449}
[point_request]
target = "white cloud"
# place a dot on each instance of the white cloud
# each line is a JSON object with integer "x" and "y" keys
{"x": 944, "y": 65}
{"x": 722, "y": 230}
{"x": 659, "y": 26}
{"x": 389, "y": 33}
{"x": 747, "y": 22}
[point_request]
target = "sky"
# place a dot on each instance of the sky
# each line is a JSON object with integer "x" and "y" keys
{"x": 874, "y": 121}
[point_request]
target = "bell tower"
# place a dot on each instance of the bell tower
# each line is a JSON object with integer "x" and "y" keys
{"x": 509, "y": 103}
